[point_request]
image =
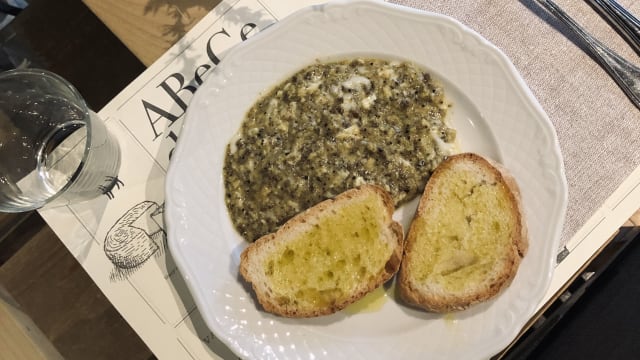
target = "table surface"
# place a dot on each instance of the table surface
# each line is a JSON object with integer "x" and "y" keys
{"x": 147, "y": 28}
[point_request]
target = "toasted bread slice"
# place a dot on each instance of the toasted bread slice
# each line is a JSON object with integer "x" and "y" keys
{"x": 467, "y": 238}
{"x": 327, "y": 257}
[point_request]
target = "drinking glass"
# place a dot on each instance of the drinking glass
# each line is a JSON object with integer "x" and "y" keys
{"x": 53, "y": 150}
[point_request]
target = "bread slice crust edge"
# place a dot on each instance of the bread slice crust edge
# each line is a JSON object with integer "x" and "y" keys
{"x": 392, "y": 265}
{"x": 411, "y": 291}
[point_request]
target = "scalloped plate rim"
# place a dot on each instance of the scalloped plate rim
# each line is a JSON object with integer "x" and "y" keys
{"x": 175, "y": 213}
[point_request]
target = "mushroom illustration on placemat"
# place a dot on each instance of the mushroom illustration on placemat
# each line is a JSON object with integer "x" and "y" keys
{"x": 134, "y": 238}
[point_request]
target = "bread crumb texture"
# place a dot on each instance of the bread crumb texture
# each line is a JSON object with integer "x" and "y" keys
{"x": 471, "y": 232}
{"x": 325, "y": 264}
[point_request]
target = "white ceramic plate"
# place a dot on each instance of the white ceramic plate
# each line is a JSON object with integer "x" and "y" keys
{"x": 495, "y": 115}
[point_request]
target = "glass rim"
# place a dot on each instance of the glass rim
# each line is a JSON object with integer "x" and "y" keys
{"x": 40, "y": 72}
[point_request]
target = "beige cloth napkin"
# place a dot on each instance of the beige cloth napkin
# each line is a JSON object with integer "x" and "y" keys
{"x": 597, "y": 126}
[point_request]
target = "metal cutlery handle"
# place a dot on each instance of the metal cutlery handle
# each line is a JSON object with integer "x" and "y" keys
{"x": 625, "y": 74}
{"x": 627, "y": 24}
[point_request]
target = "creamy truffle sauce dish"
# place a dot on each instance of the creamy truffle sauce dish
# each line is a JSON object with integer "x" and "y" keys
{"x": 332, "y": 126}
